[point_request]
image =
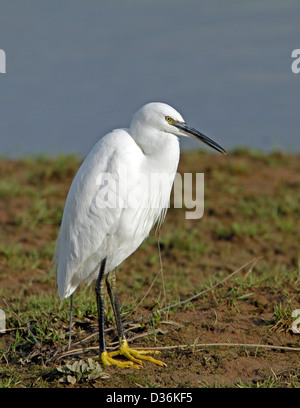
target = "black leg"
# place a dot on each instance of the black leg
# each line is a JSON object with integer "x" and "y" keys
{"x": 99, "y": 289}
{"x": 111, "y": 289}
{"x": 71, "y": 321}
{"x": 134, "y": 357}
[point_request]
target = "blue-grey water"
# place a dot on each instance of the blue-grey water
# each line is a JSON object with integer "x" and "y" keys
{"x": 76, "y": 69}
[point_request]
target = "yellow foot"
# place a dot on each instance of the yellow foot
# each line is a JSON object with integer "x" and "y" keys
{"x": 134, "y": 357}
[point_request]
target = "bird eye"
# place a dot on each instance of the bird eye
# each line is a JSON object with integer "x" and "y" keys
{"x": 168, "y": 119}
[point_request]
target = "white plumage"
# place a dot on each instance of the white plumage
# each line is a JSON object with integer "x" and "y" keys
{"x": 88, "y": 232}
{"x": 112, "y": 205}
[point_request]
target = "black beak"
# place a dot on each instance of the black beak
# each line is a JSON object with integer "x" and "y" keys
{"x": 199, "y": 136}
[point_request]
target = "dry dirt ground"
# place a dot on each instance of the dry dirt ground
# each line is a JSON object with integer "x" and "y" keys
{"x": 236, "y": 334}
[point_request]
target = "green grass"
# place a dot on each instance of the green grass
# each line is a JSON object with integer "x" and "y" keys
{"x": 242, "y": 220}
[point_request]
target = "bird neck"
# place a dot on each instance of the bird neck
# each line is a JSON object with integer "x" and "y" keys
{"x": 157, "y": 145}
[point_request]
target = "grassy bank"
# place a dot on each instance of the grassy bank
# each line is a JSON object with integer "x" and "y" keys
{"x": 251, "y": 212}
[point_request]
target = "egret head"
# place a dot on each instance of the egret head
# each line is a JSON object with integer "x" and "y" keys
{"x": 163, "y": 117}
{"x": 154, "y": 114}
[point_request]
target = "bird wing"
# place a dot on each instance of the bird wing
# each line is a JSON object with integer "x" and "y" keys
{"x": 92, "y": 211}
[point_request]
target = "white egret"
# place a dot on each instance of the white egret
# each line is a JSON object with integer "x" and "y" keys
{"x": 100, "y": 228}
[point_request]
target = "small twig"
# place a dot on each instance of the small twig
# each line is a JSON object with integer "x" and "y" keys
{"x": 192, "y": 298}
{"x": 32, "y": 335}
{"x": 15, "y": 328}
{"x": 185, "y": 346}
{"x": 253, "y": 261}
{"x": 90, "y": 336}
{"x": 11, "y": 309}
{"x": 76, "y": 351}
{"x": 115, "y": 344}
{"x": 201, "y": 345}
